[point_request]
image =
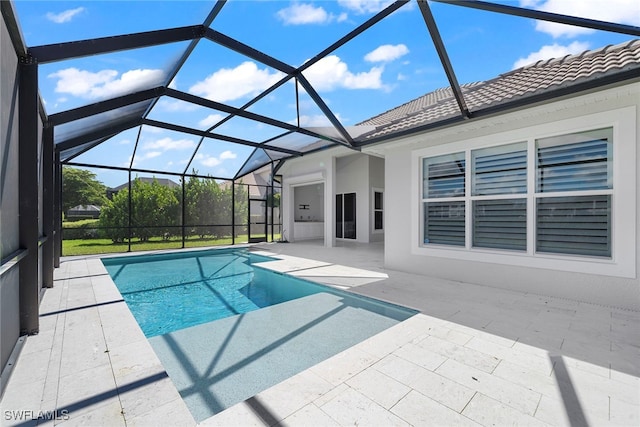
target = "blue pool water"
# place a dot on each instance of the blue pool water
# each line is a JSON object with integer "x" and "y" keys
{"x": 168, "y": 292}
{"x": 226, "y": 329}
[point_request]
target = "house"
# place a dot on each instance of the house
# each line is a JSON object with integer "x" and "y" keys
{"x": 84, "y": 211}
{"x": 528, "y": 181}
{"x": 538, "y": 192}
{"x": 162, "y": 181}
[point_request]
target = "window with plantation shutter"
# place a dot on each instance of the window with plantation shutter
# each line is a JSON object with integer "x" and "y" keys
{"x": 444, "y": 223}
{"x": 500, "y": 224}
{"x": 444, "y": 180}
{"x": 579, "y": 162}
{"x": 578, "y": 225}
{"x": 574, "y": 162}
{"x": 500, "y": 170}
{"x": 540, "y": 196}
{"x": 444, "y": 176}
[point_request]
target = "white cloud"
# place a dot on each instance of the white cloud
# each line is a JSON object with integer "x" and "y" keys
{"x": 167, "y": 143}
{"x": 365, "y": 6}
{"x": 228, "y": 84}
{"x": 66, "y": 16}
{"x": 105, "y": 83}
{"x": 140, "y": 157}
{"x": 225, "y": 155}
{"x": 318, "y": 120}
{"x": 151, "y": 154}
{"x": 551, "y": 51}
{"x": 387, "y": 53}
{"x": 212, "y": 161}
{"x": 153, "y": 129}
{"x": 617, "y": 11}
{"x": 304, "y": 14}
{"x": 175, "y": 105}
{"x": 210, "y": 120}
{"x": 331, "y": 73}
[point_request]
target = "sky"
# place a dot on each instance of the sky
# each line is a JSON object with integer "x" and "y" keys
{"x": 388, "y": 65}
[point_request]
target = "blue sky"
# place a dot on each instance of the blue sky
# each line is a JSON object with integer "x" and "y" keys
{"x": 386, "y": 66}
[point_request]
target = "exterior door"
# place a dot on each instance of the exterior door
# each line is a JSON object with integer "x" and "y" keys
{"x": 257, "y": 220}
{"x": 346, "y": 216}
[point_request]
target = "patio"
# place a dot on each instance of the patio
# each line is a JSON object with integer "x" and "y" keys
{"x": 474, "y": 355}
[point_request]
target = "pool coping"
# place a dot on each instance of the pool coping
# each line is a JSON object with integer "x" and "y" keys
{"x": 143, "y": 390}
{"x": 388, "y": 378}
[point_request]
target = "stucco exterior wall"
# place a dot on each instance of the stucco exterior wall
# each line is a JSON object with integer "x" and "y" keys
{"x": 352, "y": 176}
{"x": 376, "y": 182}
{"x": 614, "y": 282}
{"x": 341, "y": 171}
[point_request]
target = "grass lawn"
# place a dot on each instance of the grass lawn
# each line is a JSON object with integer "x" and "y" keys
{"x": 104, "y": 246}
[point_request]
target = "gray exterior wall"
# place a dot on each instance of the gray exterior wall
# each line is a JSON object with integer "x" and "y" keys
{"x": 588, "y": 280}
{"x": 9, "y": 195}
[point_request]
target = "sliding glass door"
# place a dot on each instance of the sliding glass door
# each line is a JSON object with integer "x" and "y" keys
{"x": 346, "y": 216}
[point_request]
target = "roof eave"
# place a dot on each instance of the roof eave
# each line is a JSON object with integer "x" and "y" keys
{"x": 595, "y": 84}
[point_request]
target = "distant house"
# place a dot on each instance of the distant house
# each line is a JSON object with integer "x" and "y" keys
{"x": 84, "y": 211}
{"x": 258, "y": 184}
{"x": 162, "y": 181}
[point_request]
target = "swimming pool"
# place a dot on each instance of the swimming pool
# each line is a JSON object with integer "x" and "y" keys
{"x": 265, "y": 327}
{"x": 169, "y": 292}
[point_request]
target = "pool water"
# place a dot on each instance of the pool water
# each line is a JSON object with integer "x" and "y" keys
{"x": 169, "y": 292}
{"x": 226, "y": 329}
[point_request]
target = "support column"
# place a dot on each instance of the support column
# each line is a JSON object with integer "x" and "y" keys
{"x": 57, "y": 211}
{"x": 233, "y": 212}
{"x": 48, "y": 219}
{"x": 330, "y": 204}
{"x": 28, "y": 191}
{"x": 130, "y": 211}
{"x": 184, "y": 210}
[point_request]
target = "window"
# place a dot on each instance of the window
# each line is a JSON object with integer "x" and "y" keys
{"x": 443, "y": 185}
{"x": 499, "y": 219}
{"x": 569, "y": 224}
{"x": 378, "y": 219}
{"x": 564, "y": 194}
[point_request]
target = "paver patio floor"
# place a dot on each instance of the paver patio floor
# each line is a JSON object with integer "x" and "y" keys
{"x": 475, "y": 355}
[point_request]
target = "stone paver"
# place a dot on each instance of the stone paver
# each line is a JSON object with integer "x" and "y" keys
{"x": 474, "y": 356}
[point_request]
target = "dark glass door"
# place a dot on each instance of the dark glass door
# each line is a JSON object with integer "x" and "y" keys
{"x": 346, "y": 216}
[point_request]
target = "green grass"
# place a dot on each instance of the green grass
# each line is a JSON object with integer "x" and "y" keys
{"x": 105, "y": 246}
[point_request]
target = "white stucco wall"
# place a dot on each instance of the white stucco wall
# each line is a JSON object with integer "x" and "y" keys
{"x": 609, "y": 282}
{"x": 352, "y": 176}
{"x": 342, "y": 171}
{"x": 307, "y": 170}
{"x": 376, "y": 182}
{"x": 309, "y": 202}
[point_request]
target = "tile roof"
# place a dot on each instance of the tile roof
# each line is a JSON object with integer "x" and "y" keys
{"x": 542, "y": 77}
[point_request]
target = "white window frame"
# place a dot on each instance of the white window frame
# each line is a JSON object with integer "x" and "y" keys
{"x": 623, "y": 257}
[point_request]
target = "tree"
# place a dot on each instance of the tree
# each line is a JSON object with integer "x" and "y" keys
{"x": 114, "y": 216}
{"x": 155, "y": 212}
{"x": 80, "y": 187}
